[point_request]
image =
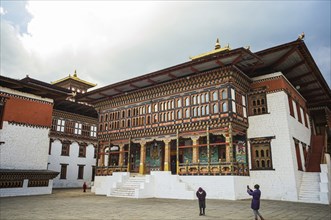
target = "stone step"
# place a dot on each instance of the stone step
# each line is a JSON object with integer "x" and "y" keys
{"x": 129, "y": 188}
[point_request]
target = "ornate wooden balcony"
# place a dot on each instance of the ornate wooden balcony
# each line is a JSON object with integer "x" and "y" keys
{"x": 220, "y": 168}
{"x": 109, "y": 170}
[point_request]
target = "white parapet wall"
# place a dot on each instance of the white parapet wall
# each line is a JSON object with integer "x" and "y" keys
{"x": 170, "y": 186}
{"x": 27, "y": 191}
{"x": 103, "y": 185}
{"x": 325, "y": 184}
{"x": 219, "y": 187}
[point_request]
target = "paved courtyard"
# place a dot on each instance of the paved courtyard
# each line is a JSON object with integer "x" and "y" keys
{"x": 74, "y": 204}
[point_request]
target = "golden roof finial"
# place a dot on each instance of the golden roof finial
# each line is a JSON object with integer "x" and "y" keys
{"x": 217, "y": 45}
{"x": 75, "y": 74}
{"x": 301, "y": 36}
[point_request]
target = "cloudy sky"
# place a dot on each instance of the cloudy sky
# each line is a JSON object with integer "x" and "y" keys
{"x": 109, "y": 41}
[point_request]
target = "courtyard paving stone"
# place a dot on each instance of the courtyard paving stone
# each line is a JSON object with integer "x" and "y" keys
{"x": 74, "y": 204}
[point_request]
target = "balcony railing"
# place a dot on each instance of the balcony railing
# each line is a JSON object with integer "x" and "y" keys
{"x": 109, "y": 170}
{"x": 220, "y": 168}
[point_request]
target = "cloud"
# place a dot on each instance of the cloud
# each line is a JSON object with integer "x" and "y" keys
{"x": 110, "y": 41}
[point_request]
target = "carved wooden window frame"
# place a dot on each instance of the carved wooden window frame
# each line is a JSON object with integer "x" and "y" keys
{"x": 261, "y": 155}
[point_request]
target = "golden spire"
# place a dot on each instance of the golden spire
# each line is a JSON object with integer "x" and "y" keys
{"x": 217, "y": 45}
{"x": 216, "y": 50}
{"x": 75, "y": 74}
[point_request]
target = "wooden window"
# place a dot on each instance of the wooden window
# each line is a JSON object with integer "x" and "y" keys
{"x": 60, "y": 125}
{"x": 194, "y": 100}
{"x": 261, "y": 156}
{"x": 80, "y": 172}
{"x": 298, "y": 112}
{"x": 50, "y": 147}
{"x": 207, "y": 97}
{"x": 215, "y": 108}
{"x": 257, "y": 104}
{"x": 195, "y": 111}
{"x": 179, "y": 103}
{"x": 95, "y": 152}
{"x": 187, "y": 113}
{"x": 155, "y": 119}
{"x": 63, "y": 174}
{"x": 187, "y": 101}
{"x": 233, "y": 94}
{"x": 207, "y": 109}
{"x": 65, "y": 149}
{"x": 224, "y": 107}
{"x": 243, "y": 100}
{"x": 203, "y": 110}
{"x": 215, "y": 96}
{"x": 224, "y": 94}
{"x": 78, "y": 128}
{"x": 297, "y": 151}
{"x": 82, "y": 151}
{"x": 179, "y": 114}
{"x": 93, "y": 132}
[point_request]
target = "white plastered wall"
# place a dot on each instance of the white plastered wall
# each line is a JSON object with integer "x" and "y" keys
{"x": 73, "y": 160}
{"x": 284, "y": 181}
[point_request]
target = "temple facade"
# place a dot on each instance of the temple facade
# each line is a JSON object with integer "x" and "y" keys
{"x": 223, "y": 120}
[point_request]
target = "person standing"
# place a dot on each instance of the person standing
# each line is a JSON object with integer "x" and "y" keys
{"x": 201, "y": 194}
{"x": 84, "y": 187}
{"x": 255, "y": 205}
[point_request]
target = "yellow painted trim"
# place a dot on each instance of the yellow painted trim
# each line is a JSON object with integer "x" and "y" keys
{"x": 73, "y": 78}
{"x": 210, "y": 53}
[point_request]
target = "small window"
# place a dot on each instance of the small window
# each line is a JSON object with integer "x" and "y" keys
{"x": 93, "y": 132}
{"x": 179, "y": 103}
{"x": 80, "y": 172}
{"x": 63, "y": 174}
{"x": 60, "y": 125}
{"x": 215, "y": 108}
{"x": 215, "y": 98}
{"x": 65, "y": 149}
{"x": 179, "y": 114}
{"x": 78, "y": 128}
{"x": 261, "y": 158}
{"x": 82, "y": 151}
{"x": 224, "y": 94}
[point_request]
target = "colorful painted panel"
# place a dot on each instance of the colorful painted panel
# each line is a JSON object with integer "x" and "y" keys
{"x": 241, "y": 152}
{"x": 187, "y": 153}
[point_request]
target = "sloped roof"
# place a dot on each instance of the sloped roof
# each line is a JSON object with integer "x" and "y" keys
{"x": 293, "y": 59}
{"x": 73, "y": 78}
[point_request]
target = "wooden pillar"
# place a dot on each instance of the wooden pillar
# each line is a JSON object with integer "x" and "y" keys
{"x": 167, "y": 154}
{"x": 102, "y": 156}
{"x": 229, "y": 148}
{"x": 177, "y": 152}
{"x": 121, "y": 154}
{"x": 195, "y": 149}
{"x": 142, "y": 157}
{"x": 208, "y": 148}
{"x": 129, "y": 156}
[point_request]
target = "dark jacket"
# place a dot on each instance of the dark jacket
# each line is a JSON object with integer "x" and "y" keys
{"x": 201, "y": 194}
{"x": 256, "y": 198}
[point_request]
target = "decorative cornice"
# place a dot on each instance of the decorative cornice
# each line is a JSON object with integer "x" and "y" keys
{"x": 203, "y": 80}
{"x": 5, "y": 94}
{"x": 28, "y": 125}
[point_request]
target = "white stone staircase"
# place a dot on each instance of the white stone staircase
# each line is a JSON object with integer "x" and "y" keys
{"x": 129, "y": 188}
{"x": 310, "y": 187}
